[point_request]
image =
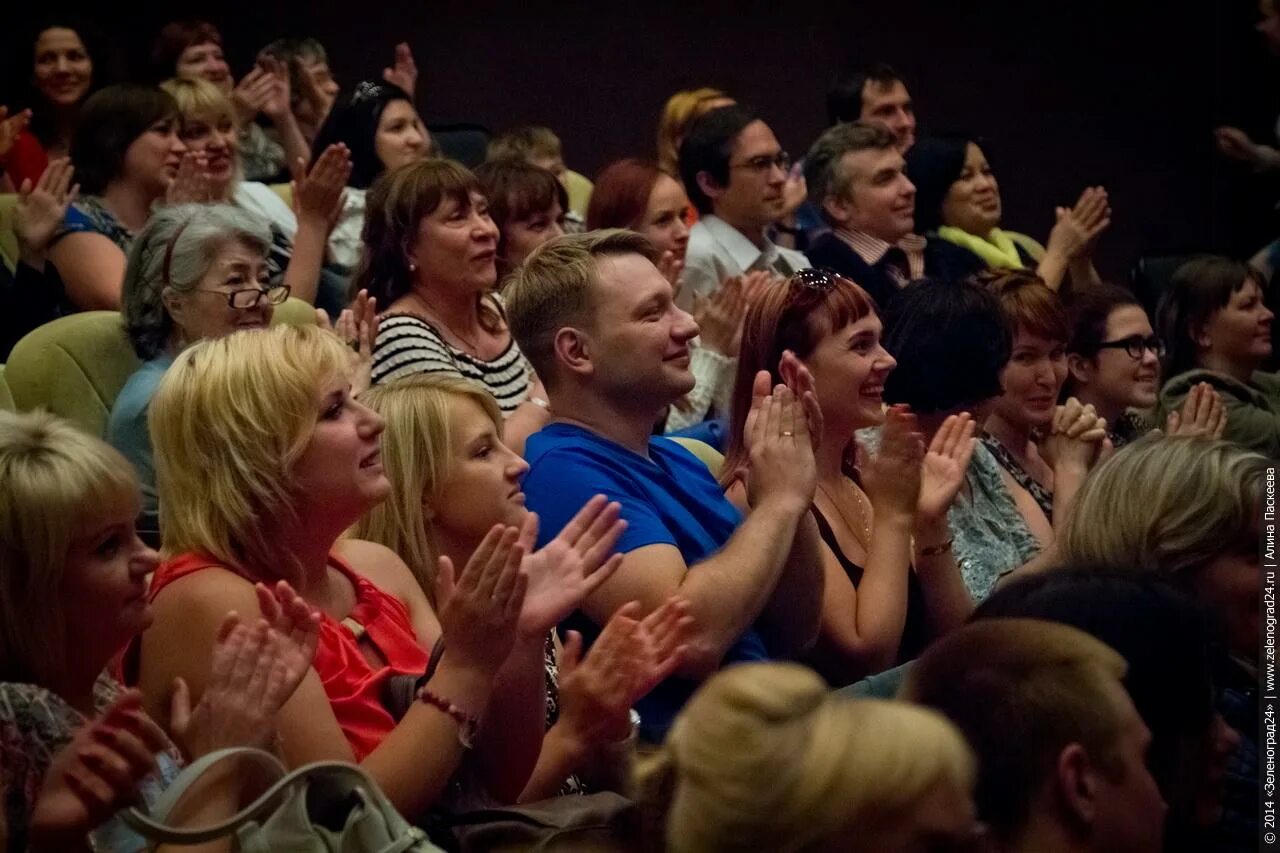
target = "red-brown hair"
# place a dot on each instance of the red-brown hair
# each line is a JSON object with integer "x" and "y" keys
{"x": 621, "y": 194}
{"x": 176, "y": 37}
{"x": 789, "y": 316}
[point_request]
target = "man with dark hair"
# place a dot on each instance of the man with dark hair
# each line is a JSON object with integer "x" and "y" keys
{"x": 734, "y": 171}
{"x": 1062, "y": 752}
{"x": 855, "y": 177}
{"x": 877, "y": 94}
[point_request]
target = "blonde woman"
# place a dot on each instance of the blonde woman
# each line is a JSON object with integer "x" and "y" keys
{"x": 453, "y": 478}
{"x": 678, "y": 114}
{"x": 765, "y": 758}
{"x": 263, "y": 459}
{"x": 72, "y": 595}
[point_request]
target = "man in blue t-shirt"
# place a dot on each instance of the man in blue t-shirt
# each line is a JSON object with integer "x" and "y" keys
{"x": 598, "y": 321}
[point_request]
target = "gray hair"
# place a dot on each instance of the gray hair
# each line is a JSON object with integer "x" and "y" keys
{"x": 186, "y": 238}
{"x": 822, "y": 170}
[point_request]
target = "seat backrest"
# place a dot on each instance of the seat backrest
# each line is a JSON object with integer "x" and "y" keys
{"x": 6, "y": 398}
{"x": 1151, "y": 277}
{"x": 464, "y": 142}
{"x": 707, "y": 455}
{"x": 8, "y": 240}
{"x": 76, "y": 365}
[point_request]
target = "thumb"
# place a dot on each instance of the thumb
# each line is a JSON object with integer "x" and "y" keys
{"x": 570, "y": 653}
{"x": 1172, "y": 423}
{"x": 180, "y": 706}
{"x": 445, "y": 580}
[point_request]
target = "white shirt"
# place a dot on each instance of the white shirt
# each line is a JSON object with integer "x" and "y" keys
{"x": 344, "y": 240}
{"x": 717, "y": 251}
{"x": 262, "y": 200}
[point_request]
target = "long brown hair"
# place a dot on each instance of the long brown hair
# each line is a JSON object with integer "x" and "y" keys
{"x": 792, "y": 316}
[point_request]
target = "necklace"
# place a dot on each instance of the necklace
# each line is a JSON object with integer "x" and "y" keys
{"x": 472, "y": 347}
{"x": 861, "y": 532}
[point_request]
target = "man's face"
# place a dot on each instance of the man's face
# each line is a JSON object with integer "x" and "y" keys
{"x": 891, "y": 106}
{"x": 1130, "y": 810}
{"x": 639, "y": 340}
{"x": 880, "y": 200}
{"x": 753, "y": 196}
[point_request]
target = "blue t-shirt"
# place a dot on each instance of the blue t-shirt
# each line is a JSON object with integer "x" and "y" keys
{"x": 669, "y": 498}
{"x": 127, "y": 430}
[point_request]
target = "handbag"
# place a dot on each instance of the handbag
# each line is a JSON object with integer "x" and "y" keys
{"x": 325, "y": 807}
{"x": 603, "y": 822}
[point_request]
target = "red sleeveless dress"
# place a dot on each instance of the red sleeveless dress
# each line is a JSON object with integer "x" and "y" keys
{"x": 354, "y": 687}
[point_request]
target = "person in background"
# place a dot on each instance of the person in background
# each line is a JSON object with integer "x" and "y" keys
{"x": 35, "y": 293}
{"x": 1214, "y": 320}
{"x": 876, "y": 94}
{"x": 527, "y": 204}
{"x": 957, "y": 198}
{"x": 764, "y": 757}
{"x": 1062, "y": 752}
{"x": 539, "y": 146}
{"x": 678, "y": 114}
{"x": 380, "y": 127}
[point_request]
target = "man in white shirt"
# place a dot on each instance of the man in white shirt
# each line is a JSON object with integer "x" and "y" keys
{"x": 734, "y": 171}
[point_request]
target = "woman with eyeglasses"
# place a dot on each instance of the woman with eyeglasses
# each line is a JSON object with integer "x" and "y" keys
{"x": 1113, "y": 363}
{"x": 1217, "y": 327}
{"x": 196, "y": 271}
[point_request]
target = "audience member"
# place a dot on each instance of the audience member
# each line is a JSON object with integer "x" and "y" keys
{"x": 855, "y": 177}
{"x": 878, "y": 519}
{"x": 452, "y": 479}
{"x": 312, "y": 87}
{"x": 735, "y": 173}
{"x": 952, "y": 346}
{"x": 196, "y": 271}
{"x": 1113, "y": 359}
{"x": 430, "y": 252}
{"x": 61, "y": 69}
{"x": 192, "y": 49}
{"x": 298, "y": 240}
{"x": 263, "y": 459}
{"x": 1169, "y": 648}
{"x": 876, "y": 94}
{"x": 1188, "y": 508}
{"x": 378, "y": 124}
{"x": 1045, "y": 450}
{"x": 1062, "y": 752}
{"x": 527, "y": 204}
{"x": 35, "y": 294}
{"x": 959, "y": 200}
{"x": 127, "y": 153}
{"x": 72, "y": 594}
{"x": 1217, "y": 328}
{"x": 598, "y": 321}
{"x": 539, "y": 146}
{"x": 765, "y": 758}
{"x": 678, "y": 115}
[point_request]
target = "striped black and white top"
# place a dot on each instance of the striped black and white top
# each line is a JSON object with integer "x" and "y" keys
{"x": 408, "y": 345}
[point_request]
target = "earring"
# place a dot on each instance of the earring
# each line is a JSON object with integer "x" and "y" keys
{"x": 413, "y": 267}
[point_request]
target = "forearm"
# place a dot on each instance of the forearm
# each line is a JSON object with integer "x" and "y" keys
{"x": 728, "y": 591}
{"x": 1052, "y": 268}
{"x": 946, "y": 597}
{"x": 511, "y": 736}
{"x": 792, "y": 618}
{"x": 561, "y": 756}
{"x": 309, "y": 245}
{"x": 1067, "y": 481}
{"x": 291, "y": 139}
{"x": 1084, "y": 275}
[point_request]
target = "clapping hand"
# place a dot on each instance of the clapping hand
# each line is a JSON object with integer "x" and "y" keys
{"x": 480, "y": 609}
{"x": 564, "y": 572}
{"x": 404, "y": 71}
{"x": 40, "y": 210}
{"x": 318, "y": 194}
{"x": 1202, "y": 413}
{"x": 357, "y": 327}
{"x": 671, "y": 267}
{"x": 1077, "y": 438}
{"x": 11, "y": 127}
{"x": 192, "y": 183}
{"x": 1077, "y": 229}
{"x": 945, "y": 464}
{"x": 891, "y": 478}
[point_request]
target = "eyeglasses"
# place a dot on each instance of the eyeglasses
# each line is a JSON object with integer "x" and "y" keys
{"x": 763, "y": 163}
{"x": 251, "y": 297}
{"x": 1136, "y": 346}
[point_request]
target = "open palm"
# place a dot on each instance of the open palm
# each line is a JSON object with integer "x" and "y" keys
{"x": 571, "y": 566}
{"x": 945, "y": 463}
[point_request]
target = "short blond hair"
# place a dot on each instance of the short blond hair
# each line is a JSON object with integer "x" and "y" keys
{"x": 417, "y": 447}
{"x": 765, "y": 757}
{"x": 1166, "y": 504}
{"x": 1021, "y": 690}
{"x": 53, "y": 478}
{"x": 230, "y": 419}
{"x": 679, "y": 113}
{"x": 554, "y": 288}
{"x": 200, "y": 99}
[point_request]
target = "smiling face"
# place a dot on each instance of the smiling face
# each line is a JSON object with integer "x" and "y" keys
{"x": 457, "y": 246}
{"x": 1032, "y": 381}
{"x": 218, "y": 137}
{"x": 849, "y": 367}
{"x": 482, "y": 487}
{"x": 1113, "y": 379}
{"x": 1239, "y": 332}
{"x": 204, "y": 311}
{"x": 891, "y": 106}
{"x": 62, "y": 70}
{"x": 401, "y": 137}
{"x": 340, "y": 472}
{"x": 664, "y": 216}
{"x": 972, "y": 203}
{"x": 880, "y": 200}
{"x": 205, "y": 61}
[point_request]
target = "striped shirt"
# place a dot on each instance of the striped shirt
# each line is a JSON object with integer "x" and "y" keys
{"x": 408, "y": 345}
{"x": 873, "y": 249}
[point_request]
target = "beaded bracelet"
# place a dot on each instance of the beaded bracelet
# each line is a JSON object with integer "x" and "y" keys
{"x": 467, "y": 724}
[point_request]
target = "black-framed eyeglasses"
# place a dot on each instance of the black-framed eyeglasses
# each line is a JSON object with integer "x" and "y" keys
{"x": 1136, "y": 346}
{"x": 251, "y": 297}
{"x": 764, "y": 162}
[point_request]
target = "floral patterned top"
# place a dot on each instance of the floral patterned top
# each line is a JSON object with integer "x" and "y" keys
{"x": 88, "y": 215}
{"x": 34, "y": 725}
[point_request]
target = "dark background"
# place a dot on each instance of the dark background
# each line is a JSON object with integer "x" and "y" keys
{"x": 1119, "y": 93}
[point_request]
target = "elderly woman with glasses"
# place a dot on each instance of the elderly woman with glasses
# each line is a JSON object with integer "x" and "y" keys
{"x": 196, "y": 271}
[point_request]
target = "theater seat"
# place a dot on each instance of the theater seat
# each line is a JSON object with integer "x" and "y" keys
{"x": 1151, "y": 277}
{"x": 706, "y": 454}
{"x": 6, "y": 399}
{"x": 75, "y": 366}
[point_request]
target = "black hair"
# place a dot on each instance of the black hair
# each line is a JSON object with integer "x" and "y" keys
{"x": 844, "y": 92}
{"x": 951, "y": 343}
{"x": 708, "y": 146}
{"x": 23, "y": 68}
{"x": 109, "y": 122}
{"x": 933, "y": 165}
{"x": 353, "y": 121}
{"x": 1197, "y": 289}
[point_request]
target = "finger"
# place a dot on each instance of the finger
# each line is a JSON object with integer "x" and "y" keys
{"x": 602, "y": 533}
{"x": 139, "y": 759}
{"x": 89, "y": 788}
{"x": 109, "y": 766}
{"x": 571, "y": 653}
{"x": 1172, "y": 423}
{"x": 516, "y": 599}
{"x": 267, "y": 603}
{"x": 528, "y": 539}
{"x": 583, "y": 519}
{"x": 180, "y": 706}
{"x": 444, "y": 580}
{"x": 498, "y": 576}
{"x": 474, "y": 569}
